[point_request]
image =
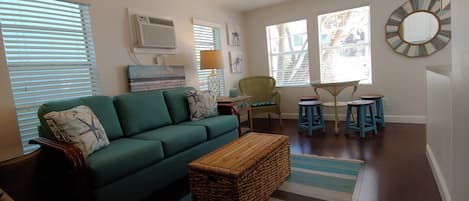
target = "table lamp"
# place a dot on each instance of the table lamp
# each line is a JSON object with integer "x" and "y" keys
{"x": 212, "y": 59}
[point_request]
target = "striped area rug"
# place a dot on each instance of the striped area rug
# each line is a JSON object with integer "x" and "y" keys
{"x": 316, "y": 178}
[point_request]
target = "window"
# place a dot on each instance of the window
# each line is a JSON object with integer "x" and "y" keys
{"x": 344, "y": 40}
{"x": 288, "y": 53}
{"x": 207, "y": 38}
{"x": 50, "y": 56}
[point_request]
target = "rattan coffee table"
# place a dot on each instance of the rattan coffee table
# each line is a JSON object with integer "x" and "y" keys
{"x": 250, "y": 168}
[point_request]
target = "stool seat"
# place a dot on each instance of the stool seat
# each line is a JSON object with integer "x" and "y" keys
{"x": 360, "y": 102}
{"x": 309, "y": 98}
{"x": 371, "y": 96}
{"x": 309, "y": 103}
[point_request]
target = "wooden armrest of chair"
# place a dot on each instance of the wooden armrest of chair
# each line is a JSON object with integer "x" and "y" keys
{"x": 81, "y": 188}
{"x": 71, "y": 153}
{"x": 225, "y": 107}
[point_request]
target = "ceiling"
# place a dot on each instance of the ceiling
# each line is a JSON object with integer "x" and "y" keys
{"x": 245, "y": 5}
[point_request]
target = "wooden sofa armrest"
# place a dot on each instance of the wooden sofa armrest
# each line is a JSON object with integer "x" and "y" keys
{"x": 80, "y": 188}
{"x": 233, "y": 110}
{"x": 71, "y": 153}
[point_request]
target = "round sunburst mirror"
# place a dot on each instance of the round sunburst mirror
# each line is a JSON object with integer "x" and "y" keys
{"x": 419, "y": 28}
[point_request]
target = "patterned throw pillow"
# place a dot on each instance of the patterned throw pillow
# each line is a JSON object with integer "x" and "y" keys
{"x": 202, "y": 104}
{"x": 78, "y": 126}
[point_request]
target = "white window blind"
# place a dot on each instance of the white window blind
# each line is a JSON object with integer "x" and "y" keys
{"x": 207, "y": 38}
{"x": 344, "y": 40}
{"x": 288, "y": 53}
{"x": 50, "y": 56}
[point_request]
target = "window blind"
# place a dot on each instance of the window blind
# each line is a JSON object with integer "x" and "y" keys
{"x": 50, "y": 56}
{"x": 207, "y": 38}
{"x": 345, "y": 53}
{"x": 288, "y": 53}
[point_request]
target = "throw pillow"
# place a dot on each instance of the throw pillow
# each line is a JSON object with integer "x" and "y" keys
{"x": 202, "y": 104}
{"x": 78, "y": 126}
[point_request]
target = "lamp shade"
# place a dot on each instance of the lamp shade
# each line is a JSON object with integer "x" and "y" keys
{"x": 211, "y": 59}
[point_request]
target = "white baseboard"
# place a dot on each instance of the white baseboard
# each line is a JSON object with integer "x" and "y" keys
{"x": 388, "y": 118}
{"x": 440, "y": 180}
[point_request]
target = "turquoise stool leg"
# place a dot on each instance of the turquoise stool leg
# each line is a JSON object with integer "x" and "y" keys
{"x": 309, "y": 118}
{"x": 361, "y": 120}
{"x": 373, "y": 120}
{"x": 380, "y": 110}
{"x": 321, "y": 118}
{"x": 348, "y": 117}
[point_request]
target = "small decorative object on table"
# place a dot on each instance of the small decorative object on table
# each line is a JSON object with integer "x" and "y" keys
{"x": 250, "y": 168}
{"x": 241, "y": 107}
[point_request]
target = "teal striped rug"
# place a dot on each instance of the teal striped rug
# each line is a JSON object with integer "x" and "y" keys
{"x": 316, "y": 178}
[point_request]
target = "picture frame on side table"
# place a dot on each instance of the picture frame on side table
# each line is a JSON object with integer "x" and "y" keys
{"x": 234, "y": 35}
{"x": 236, "y": 61}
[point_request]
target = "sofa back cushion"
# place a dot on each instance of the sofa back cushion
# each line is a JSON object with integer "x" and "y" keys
{"x": 177, "y": 103}
{"x": 141, "y": 111}
{"x": 102, "y": 107}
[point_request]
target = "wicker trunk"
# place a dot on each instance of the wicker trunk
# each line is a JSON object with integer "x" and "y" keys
{"x": 251, "y": 168}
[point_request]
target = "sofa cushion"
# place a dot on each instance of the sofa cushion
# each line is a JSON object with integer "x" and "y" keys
{"x": 123, "y": 157}
{"x": 217, "y": 125}
{"x": 175, "y": 138}
{"x": 202, "y": 104}
{"x": 102, "y": 107}
{"x": 78, "y": 126}
{"x": 142, "y": 111}
{"x": 177, "y": 103}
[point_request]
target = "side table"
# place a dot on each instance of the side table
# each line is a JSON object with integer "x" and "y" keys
{"x": 242, "y": 107}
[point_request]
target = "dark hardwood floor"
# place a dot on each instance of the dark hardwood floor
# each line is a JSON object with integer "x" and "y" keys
{"x": 396, "y": 168}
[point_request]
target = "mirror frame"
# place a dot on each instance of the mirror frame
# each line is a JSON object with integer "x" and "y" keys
{"x": 438, "y": 42}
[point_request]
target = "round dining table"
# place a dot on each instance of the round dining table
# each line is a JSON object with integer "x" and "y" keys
{"x": 334, "y": 88}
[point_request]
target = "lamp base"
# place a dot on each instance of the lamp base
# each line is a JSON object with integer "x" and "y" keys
{"x": 214, "y": 84}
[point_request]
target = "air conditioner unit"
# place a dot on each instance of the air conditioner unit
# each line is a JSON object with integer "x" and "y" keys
{"x": 155, "y": 32}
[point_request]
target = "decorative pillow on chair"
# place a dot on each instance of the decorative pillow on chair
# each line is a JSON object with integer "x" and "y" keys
{"x": 78, "y": 126}
{"x": 202, "y": 104}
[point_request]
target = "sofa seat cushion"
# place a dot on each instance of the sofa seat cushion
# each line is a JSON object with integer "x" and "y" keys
{"x": 175, "y": 138}
{"x": 123, "y": 157}
{"x": 216, "y": 125}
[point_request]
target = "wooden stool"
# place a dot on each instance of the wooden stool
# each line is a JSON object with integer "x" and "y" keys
{"x": 312, "y": 120}
{"x": 379, "y": 111}
{"x": 361, "y": 125}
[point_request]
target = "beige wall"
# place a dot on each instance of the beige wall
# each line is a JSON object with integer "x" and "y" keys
{"x": 111, "y": 37}
{"x": 400, "y": 79}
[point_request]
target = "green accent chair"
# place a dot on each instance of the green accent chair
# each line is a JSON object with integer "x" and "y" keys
{"x": 265, "y": 98}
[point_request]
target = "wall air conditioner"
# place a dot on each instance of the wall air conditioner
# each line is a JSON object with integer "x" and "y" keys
{"x": 155, "y": 32}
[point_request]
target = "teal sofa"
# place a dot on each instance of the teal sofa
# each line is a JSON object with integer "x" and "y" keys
{"x": 152, "y": 141}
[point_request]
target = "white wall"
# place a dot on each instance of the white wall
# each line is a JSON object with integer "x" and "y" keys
{"x": 439, "y": 120}
{"x": 400, "y": 79}
{"x": 460, "y": 82}
{"x": 111, "y": 36}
